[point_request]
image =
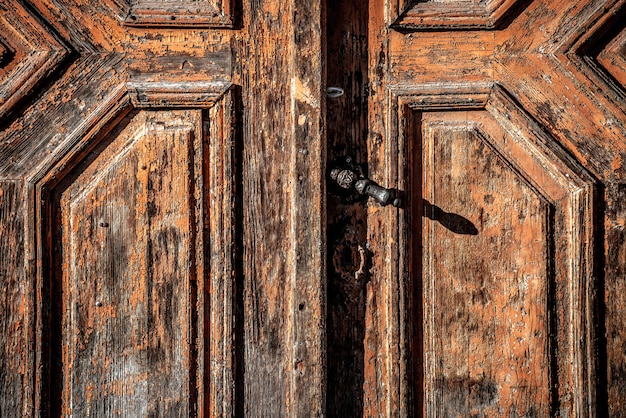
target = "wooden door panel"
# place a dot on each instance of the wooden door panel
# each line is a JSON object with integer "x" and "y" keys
{"x": 134, "y": 316}
{"x": 550, "y": 128}
{"x": 199, "y": 288}
{"x": 485, "y": 279}
{"x": 12, "y": 296}
{"x": 68, "y": 151}
{"x": 127, "y": 275}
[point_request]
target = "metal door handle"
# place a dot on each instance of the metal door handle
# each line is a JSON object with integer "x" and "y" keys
{"x": 349, "y": 177}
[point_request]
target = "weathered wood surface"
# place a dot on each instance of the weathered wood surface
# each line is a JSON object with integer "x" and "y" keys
{"x": 280, "y": 66}
{"x": 127, "y": 312}
{"x": 13, "y": 295}
{"x": 252, "y": 328}
{"x": 485, "y": 284}
{"x": 125, "y": 273}
{"x": 29, "y": 54}
{"x": 549, "y": 56}
{"x": 172, "y": 13}
{"x": 495, "y": 273}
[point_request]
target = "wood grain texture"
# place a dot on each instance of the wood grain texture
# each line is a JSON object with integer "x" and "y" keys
{"x": 528, "y": 94}
{"x": 559, "y": 187}
{"x": 267, "y": 255}
{"x": 613, "y": 57}
{"x": 195, "y": 13}
{"x": 218, "y": 323}
{"x": 564, "y": 95}
{"x": 280, "y": 66}
{"x": 36, "y": 53}
{"x": 13, "y": 359}
{"x": 454, "y": 14}
{"x": 179, "y": 69}
{"x": 556, "y": 59}
{"x": 486, "y": 279}
{"x": 87, "y": 27}
{"x": 91, "y": 86}
{"x": 614, "y": 291}
{"x": 454, "y": 57}
{"x": 134, "y": 287}
{"x": 308, "y": 220}
{"x": 171, "y": 57}
{"x": 383, "y": 332}
{"x": 125, "y": 273}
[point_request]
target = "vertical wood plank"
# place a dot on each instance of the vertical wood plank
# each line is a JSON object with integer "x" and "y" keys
{"x": 615, "y": 294}
{"x": 13, "y": 360}
{"x": 281, "y": 71}
{"x": 267, "y": 252}
{"x": 220, "y": 321}
{"x": 308, "y": 220}
{"x": 382, "y": 333}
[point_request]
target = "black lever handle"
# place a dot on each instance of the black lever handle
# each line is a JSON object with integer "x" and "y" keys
{"x": 349, "y": 177}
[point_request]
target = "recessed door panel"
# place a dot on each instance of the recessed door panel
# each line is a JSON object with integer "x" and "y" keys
{"x": 126, "y": 274}
{"x": 497, "y": 281}
{"x": 486, "y": 240}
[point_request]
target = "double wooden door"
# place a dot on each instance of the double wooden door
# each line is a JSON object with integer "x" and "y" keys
{"x": 171, "y": 243}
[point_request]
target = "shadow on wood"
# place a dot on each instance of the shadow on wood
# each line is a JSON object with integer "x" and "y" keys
{"x": 451, "y": 221}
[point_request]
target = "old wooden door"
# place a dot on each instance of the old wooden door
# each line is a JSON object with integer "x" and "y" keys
{"x": 168, "y": 247}
{"x": 497, "y": 288}
{"x": 154, "y": 181}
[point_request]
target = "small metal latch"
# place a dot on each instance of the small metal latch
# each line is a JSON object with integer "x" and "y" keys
{"x": 349, "y": 177}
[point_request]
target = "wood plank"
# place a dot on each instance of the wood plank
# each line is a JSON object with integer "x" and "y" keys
{"x": 219, "y": 327}
{"x": 13, "y": 294}
{"x": 69, "y": 104}
{"x": 308, "y": 220}
{"x": 172, "y": 13}
{"x": 441, "y": 57}
{"x": 280, "y": 64}
{"x": 614, "y": 292}
{"x": 454, "y": 14}
{"x": 383, "y": 315}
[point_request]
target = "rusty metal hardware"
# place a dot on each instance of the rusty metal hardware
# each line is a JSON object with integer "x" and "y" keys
{"x": 349, "y": 176}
